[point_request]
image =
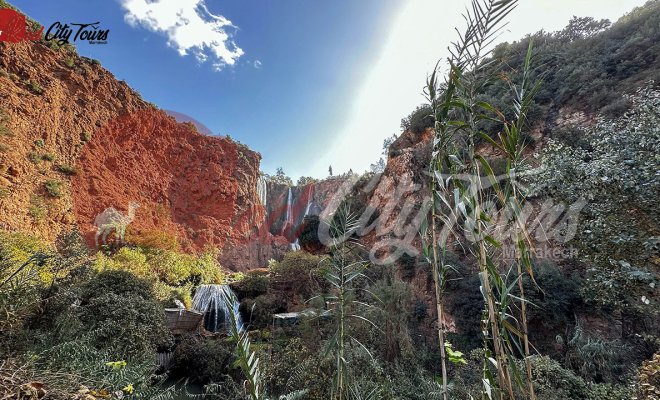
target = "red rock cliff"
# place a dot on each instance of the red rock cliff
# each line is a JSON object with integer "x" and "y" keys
{"x": 199, "y": 188}
{"x": 74, "y": 140}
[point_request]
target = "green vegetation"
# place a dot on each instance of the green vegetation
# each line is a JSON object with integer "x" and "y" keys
{"x": 279, "y": 178}
{"x": 418, "y": 121}
{"x": 67, "y": 169}
{"x": 584, "y": 66}
{"x": 37, "y": 208}
{"x": 48, "y": 157}
{"x": 458, "y": 320}
{"x": 34, "y": 157}
{"x": 35, "y": 87}
{"x": 53, "y": 188}
{"x": 4, "y": 119}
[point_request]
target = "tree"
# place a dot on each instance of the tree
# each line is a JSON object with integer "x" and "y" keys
{"x": 378, "y": 167}
{"x": 582, "y": 27}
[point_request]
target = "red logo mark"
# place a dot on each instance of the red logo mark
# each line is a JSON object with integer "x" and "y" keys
{"x": 14, "y": 27}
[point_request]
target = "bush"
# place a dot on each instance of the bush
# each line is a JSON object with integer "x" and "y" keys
{"x": 37, "y": 209}
{"x": 39, "y": 143}
{"x": 35, "y": 87}
{"x": 53, "y": 188}
{"x": 252, "y": 284}
{"x": 118, "y": 310}
{"x": 34, "y": 157}
{"x": 259, "y": 312}
{"x": 67, "y": 169}
{"x": 48, "y": 157}
{"x": 204, "y": 361}
{"x": 153, "y": 239}
{"x": 170, "y": 267}
{"x": 5, "y": 131}
{"x": 419, "y": 120}
{"x": 299, "y": 271}
{"x": 554, "y": 300}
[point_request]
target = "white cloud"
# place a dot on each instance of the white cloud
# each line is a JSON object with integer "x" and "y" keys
{"x": 257, "y": 64}
{"x": 189, "y": 26}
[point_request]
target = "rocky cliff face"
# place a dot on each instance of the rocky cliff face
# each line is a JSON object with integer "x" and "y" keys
{"x": 74, "y": 141}
{"x": 198, "y": 188}
{"x": 51, "y": 102}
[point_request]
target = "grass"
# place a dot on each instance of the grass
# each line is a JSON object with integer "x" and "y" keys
{"x": 69, "y": 62}
{"x": 5, "y": 131}
{"x": 34, "y": 157}
{"x": 48, "y": 157}
{"x": 4, "y": 118}
{"x": 67, "y": 169}
{"x": 85, "y": 137}
{"x": 4, "y": 193}
{"x": 37, "y": 208}
{"x": 39, "y": 143}
{"x": 3, "y": 148}
{"x": 53, "y": 188}
{"x": 35, "y": 87}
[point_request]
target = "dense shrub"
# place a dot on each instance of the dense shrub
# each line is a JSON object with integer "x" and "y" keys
{"x": 252, "y": 284}
{"x": 172, "y": 273}
{"x": 67, "y": 169}
{"x": 419, "y": 120}
{"x": 298, "y": 270}
{"x": 53, "y": 188}
{"x": 617, "y": 177}
{"x": 204, "y": 361}
{"x": 119, "y": 311}
{"x": 554, "y": 298}
{"x": 153, "y": 239}
{"x": 259, "y": 312}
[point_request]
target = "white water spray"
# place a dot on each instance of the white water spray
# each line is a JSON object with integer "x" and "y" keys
{"x": 288, "y": 220}
{"x": 214, "y": 301}
{"x": 262, "y": 190}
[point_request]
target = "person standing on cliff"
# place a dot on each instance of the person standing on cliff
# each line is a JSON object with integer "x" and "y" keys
{"x": 330, "y": 170}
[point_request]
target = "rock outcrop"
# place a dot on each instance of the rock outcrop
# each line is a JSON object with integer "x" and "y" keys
{"x": 198, "y": 188}
{"x": 74, "y": 140}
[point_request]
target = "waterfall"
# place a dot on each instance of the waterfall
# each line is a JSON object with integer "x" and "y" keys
{"x": 295, "y": 246}
{"x": 288, "y": 220}
{"x": 310, "y": 197}
{"x": 213, "y": 301}
{"x": 262, "y": 190}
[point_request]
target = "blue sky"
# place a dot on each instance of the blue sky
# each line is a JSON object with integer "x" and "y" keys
{"x": 307, "y": 83}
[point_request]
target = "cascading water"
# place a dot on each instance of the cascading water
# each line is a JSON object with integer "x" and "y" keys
{"x": 212, "y": 300}
{"x": 262, "y": 190}
{"x": 288, "y": 220}
{"x": 310, "y": 197}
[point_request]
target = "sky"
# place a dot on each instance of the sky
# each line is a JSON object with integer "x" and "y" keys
{"x": 306, "y": 83}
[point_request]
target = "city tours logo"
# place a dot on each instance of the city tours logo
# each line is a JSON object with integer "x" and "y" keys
{"x": 15, "y": 28}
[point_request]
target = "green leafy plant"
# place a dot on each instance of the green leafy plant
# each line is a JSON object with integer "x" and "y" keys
{"x": 35, "y": 87}
{"x": 343, "y": 268}
{"x": 458, "y": 113}
{"x": 48, "y": 157}
{"x": 34, "y": 157}
{"x": 53, "y": 188}
{"x": 67, "y": 169}
{"x": 37, "y": 208}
